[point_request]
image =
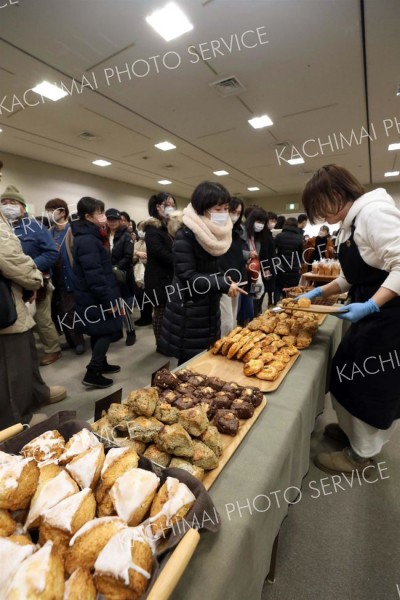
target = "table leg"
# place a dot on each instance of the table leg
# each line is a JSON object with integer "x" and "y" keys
{"x": 272, "y": 566}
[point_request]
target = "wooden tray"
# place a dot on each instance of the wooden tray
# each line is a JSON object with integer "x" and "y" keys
{"x": 217, "y": 365}
{"x": 231, "y": 444}
{"x": 316, "y": 277}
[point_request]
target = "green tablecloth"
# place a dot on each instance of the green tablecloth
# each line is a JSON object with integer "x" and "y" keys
{"x": 250, "y": 492}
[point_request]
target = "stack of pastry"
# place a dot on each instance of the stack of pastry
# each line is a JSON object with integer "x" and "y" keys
{"x": 268, "y": 342}
{"x": 178, "y": 422}
{"x": 97, "y": 519}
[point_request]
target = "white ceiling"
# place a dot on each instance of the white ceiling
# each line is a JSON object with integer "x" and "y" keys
{"x": 309, "y": 78}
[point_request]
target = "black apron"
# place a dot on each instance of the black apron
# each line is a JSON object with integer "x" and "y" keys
{"x": 365, "y": 377}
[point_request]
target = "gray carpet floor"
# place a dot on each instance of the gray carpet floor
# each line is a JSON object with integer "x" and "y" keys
{"x": 335, "y": 544}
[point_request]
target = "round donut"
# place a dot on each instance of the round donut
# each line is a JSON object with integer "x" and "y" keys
{"x": 268, "y": 374}
{"x": 253, "y": 367}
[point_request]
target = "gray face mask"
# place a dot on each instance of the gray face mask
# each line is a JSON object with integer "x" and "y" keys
{"x": 258, "y": 227}
{"x": 11, "y": 211}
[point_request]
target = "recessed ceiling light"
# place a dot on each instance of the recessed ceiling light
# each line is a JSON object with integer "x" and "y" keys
{"x": 1, "y": 130}
{"x": 392, "y": 173}
{"x": 165, "y": 146}
{"x": 48, "y": 90}
{"x": 398, "y": 90}
{"x": 170, "y": 22}
{"x": 164, "y": 181}
{"x": 253, "y": 189}
{"x": 259, "y": 122}
{"x": 220, "y": 173}
{"x": 101, "y": 163}
{"x": 296, "y": 161}
{"x": 394, "y": 146}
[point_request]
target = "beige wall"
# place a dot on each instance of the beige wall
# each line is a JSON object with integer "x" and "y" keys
{"x": 39, "y": 182}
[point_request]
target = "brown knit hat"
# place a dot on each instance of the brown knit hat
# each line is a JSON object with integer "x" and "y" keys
{"x": 13, "y": 193}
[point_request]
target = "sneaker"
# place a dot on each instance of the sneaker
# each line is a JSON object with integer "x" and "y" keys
{"x": 342, "y": 462}
{"x": 57, "y": 393}
{"x": 110, "y": 368}
{"x": 96, "y": 380}
{"x": 130, "y": 338}
{"x": 48, "y": 359}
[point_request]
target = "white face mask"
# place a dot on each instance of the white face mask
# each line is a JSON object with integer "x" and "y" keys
{"x": 11, "y": 211}
{"x": 218, "y": 218}
{"x": 141, "y": 234}
{"x": 234, "y": 218}
{"x": 258, "y": 227}
{"x": 168, "y": 210}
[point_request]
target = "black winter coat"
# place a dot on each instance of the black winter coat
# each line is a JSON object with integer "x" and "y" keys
{"x": 232, "y": 263}
{"x": 159, "y": 269}
{"x": 289, "y": 248}
{"x": 192, "y": 319}
{"x": 267, "y": 252}
{"x": 122, "y": 257}
{"x": 95, "y": 286}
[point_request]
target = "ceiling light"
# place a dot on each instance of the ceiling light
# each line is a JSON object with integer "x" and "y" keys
{"x": 392, "y": 173}
{"x": 296, "y": 161}
{"x": 48, "y": 90}
{"x": 1, "y": 130}
{"x": 253, "y": 189}
{"x": 170, "y": 22}
{"x": 164, "y": 181}
{"x": 259, "y": 122}
{"x": 398, "y": 90}
{"x": 220, "y": 173}
{"x": 165, "y": 146}
{"x": 394, "y": 146}
{"x": 101, "y": 163}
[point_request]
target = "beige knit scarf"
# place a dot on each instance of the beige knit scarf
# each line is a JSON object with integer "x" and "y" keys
{"x": 215, "y": 239}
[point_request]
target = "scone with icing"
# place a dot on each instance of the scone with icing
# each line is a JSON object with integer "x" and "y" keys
{"x": 171, "y": 504}
{"x": 133, "y": 493}
{"x": 18, "y": 480}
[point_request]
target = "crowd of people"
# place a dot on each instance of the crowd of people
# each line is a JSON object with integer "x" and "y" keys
{"x": 193, "y": 275}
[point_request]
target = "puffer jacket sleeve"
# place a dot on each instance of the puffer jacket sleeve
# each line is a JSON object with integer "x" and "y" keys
{"x": 186, "y": 268}
{"x": 15, "y": 265}
{"x": 90, "y": 260}
{"x": 125, "y": 262}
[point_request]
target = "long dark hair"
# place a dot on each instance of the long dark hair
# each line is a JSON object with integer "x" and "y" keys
{"x": 155, "y": 200}
{"x": 233, "y": 204}
{"x": 257, "y": 214}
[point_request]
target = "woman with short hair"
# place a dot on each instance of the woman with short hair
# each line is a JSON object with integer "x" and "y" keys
{"x": 192, "y": 321}
{"x": 365, "y": 389}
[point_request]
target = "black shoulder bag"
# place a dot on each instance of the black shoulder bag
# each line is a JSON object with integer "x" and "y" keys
{"x": 8, "y": 311}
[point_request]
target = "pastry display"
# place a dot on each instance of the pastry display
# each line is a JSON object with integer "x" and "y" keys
{"x": 80, "y": 585}
{"x": 226, "y": 421}
{"x": 18, "y": 481}
{"x": 12, "y": 554}
{"x": 165, "y": 380}
{"x": 157, "y": 456}
{"x": 166, "y": 413}
{"x": 133, "y": 493}
{"x": 124, "y": 566}
{"x": 78, "y": 443}
{"x": 143, "y": 401}
{"x": 211, "y": 438}
{"x": 243, "y": 408}
{"x": 48, "y": 446}
{"x": 85, "y": 468}
{"x": 144, "y": 429}
{"x": 193, "y": 420}
{"x": 41, "y": 575}
{"x": 60, "y": 522}
{"x": 184, "y": 402}
{"x": 172, "y": 502}
{"x": 181, "y": 463}
{"x": 174, "y": 439}
{"x": 52, "y": 488}
{"x": 204, "y": 457}
{"x": 118, "y": 461}
{"x": 120, "y": 412}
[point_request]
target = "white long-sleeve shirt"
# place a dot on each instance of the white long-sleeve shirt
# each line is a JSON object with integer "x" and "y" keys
{"x": 377, "y": 235}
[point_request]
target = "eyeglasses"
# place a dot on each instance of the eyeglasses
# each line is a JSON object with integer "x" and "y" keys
{"x": 5, "y": 201}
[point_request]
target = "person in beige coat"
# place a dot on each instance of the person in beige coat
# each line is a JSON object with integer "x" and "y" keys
{"x": 21, "y": 385}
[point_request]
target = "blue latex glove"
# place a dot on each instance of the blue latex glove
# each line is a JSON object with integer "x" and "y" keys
{"x": 358, "y": 310}
{"x": 314, "y": 293}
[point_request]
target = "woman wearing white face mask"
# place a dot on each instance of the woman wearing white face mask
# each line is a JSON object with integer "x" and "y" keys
{"x": 191, "y": 321}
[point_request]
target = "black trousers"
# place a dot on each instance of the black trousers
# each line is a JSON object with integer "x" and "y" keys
{"x": 99, "y": 345}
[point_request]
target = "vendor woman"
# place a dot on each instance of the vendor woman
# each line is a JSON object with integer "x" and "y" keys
{"x": 365, "y": 377}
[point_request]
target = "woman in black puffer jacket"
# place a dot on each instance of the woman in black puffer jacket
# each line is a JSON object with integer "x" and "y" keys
{"x": 192, "y": 316}
{"x": 289, "y": 248}
{"x": 95, "y": 288}
{"x": 159, "y": 267}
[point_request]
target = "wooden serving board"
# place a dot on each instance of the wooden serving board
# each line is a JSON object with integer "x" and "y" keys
{"x": 317, "y": 277}
{"x": 231, "y": 444}
{"x": 217, "y": 365}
